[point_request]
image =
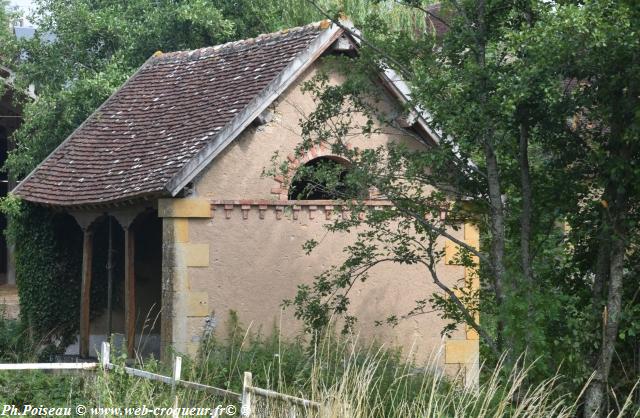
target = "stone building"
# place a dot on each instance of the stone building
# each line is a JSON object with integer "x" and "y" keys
{"x": 174, "y": 159}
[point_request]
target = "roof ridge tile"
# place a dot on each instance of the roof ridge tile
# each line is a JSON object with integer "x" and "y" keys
{"x": 231, "y": 46}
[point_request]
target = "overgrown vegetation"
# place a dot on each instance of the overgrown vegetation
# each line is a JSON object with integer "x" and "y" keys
{"x": 536, "y": 108}
{"x": 48, "y": 278}
{"x": 350, "y": 378}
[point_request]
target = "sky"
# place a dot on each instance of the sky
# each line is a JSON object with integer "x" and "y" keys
{"x": 22, "y": 4}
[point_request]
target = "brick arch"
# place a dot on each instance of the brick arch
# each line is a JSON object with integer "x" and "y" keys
{"x": 281, "y": 188}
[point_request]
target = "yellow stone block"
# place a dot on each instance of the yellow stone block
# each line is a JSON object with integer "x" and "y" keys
{"x": 198, "y": 304}
{"x": 461, "y": 351}
{"x": 472, "y": 235}
{"x": 181, "y": 230}
{"x": 451, "y": 252}
{"x": 184, "y": 208}
{"x": 196, "y": 255}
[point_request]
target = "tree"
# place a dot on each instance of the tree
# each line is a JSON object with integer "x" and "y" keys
{"x": 537, "y": 105}
{"x": 5, "y": 21}
{"x": 598, "y": 43}
{"x": 468, "y": 87}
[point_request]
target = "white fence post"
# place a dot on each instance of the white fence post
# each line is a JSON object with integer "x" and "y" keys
{"x": 105, "y": 353}
{"x": 245, "y": 409}
{"x": 177, "y": 370}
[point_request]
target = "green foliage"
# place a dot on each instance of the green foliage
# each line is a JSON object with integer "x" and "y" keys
{"x": 7, "y": 15}
{"x": 17, "y": 345}
{"x": 40, "y": 388}
{"x": 15, "y": 341}
{"x": 349, "y": 378}
{"x": 253, "y": 17}
{"x": 48, "y": 275}
{"x": 5, "y": 20}
{"x": 537, "y": 104}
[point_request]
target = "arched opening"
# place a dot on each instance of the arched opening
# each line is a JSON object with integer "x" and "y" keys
{"x": 107, "y": 282}
{"x": 108, "y": 294}
{"x": 325, "y": 178}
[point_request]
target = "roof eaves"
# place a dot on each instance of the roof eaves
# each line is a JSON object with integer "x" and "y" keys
{"x": 125, "y": 201}
{"x": 403, "y": 91}
{"x": 271, "y": 92}
{"x": 397, "y": 85}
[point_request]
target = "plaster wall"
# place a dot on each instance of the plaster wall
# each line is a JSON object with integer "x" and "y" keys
{"x": 240, "y": 258}
{"x": 254, "y": 264}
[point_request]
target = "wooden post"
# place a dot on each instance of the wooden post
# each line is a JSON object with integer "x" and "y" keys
{"x": 110, "y": 281}
{"x": 129, "y": 291}
{"x": 245, "y": 409}
{"x": 85, "y": 295}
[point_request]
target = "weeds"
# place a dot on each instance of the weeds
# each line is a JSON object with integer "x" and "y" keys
{"x": 347, "y": 377}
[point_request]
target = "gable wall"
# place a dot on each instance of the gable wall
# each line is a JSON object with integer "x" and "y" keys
{"x": 248, "y": 256}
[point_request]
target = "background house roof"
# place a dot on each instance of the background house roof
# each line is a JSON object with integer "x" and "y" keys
{"x": 166, "y": 114}
{"x": 437, "y": 24}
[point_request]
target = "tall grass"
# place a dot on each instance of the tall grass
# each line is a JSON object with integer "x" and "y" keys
{"x": 349, "y": 378}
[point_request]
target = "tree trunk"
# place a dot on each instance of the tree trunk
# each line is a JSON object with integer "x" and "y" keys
{"x": 603, "y": 263}
{"x": 497, "y": 235}
{"x": 493, "y": 178}
{"x": 527, "y": 205}
{"x": 596, "y": 392}
{"x": 525, "y": 226}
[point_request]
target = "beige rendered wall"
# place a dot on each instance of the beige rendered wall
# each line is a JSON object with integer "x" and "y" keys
{"x": 237, "y": 245}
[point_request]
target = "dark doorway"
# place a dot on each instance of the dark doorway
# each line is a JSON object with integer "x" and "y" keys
{"x": 148, "y": 275}
{"x": 105, "y": 322}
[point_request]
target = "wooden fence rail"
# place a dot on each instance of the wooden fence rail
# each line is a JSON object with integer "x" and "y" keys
{"x": 49, "y": 366}
{"x": 248, "y": 390}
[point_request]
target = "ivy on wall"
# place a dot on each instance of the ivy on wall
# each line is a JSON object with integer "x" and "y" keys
{"x": 48, "y": 261}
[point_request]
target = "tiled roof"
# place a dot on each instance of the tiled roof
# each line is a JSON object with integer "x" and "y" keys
{"x": 162, "y": 117}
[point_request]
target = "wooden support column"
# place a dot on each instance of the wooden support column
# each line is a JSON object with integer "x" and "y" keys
{"x": 85, "y": 298}
{"x": 126, "y": 218}
{"x": 129, "y": 291}
{"x": 85, "y": 220}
